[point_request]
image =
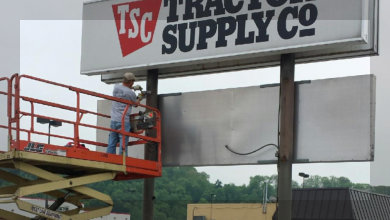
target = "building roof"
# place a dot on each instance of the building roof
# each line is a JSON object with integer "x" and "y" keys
{"x": 338, "y": 204}
{"x": 368, "y": 205}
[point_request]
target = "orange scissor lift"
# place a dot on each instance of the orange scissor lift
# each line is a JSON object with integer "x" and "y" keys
{"x": 59, "y": 171}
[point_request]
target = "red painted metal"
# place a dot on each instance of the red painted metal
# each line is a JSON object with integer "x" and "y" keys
{"x": 17, "y": 111}
{"x": 32, "y": 121}
{"x": 135, "y": 168}
{"x": 52, "y": 104}
{"x": 7, "y": 81}
{"x": 76, "y": 126}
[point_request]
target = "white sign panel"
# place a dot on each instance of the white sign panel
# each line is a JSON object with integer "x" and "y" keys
{"x": 187, "y": 37}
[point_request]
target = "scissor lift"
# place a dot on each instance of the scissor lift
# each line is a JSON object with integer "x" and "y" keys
{"x": 61, "y": 171}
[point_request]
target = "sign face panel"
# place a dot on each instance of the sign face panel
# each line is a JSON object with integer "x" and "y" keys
{"x": 186, "y": 37}
{"x": 334, "y": 123}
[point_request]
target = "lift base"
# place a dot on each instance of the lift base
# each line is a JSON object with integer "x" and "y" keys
{"x": 64, "y": 186}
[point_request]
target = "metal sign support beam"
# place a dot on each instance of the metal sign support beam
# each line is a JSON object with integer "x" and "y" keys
{"x": 150, "y": 149}
{"x": 287, "y": 90}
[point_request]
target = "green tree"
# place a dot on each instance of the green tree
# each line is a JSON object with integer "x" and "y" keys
{"x": 182, "y": 185}
{"x": 313, "y": 182}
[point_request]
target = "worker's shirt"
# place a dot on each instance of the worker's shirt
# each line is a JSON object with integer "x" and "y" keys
{"x": 123, "y": 92}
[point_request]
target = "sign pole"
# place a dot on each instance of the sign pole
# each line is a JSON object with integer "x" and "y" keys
{"x": 287, "y": 90}
{"x": 150, "y": 149}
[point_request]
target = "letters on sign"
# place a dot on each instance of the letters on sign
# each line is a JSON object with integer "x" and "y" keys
{"x": 194, "y": 25}
{"x": 46, "y": 212}
{"x": 136, "y": 22}
{"x": 34, "y": 147}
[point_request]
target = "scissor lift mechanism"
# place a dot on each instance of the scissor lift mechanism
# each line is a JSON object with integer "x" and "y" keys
{"x": 62, "y": 172}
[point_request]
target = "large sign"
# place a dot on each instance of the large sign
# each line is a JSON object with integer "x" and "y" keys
{"x": 183, "y": 37}
{"x": 332, "y": 115}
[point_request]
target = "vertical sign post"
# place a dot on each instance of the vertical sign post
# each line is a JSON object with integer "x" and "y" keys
{"x": 287, "y": 90}
{"x": 150, "y": 149}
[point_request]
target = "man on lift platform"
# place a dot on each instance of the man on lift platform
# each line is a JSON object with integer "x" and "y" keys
{"x": 124, "y": 90}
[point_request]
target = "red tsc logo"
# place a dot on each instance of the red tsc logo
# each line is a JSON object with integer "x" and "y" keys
{"x": 135, "y": 23}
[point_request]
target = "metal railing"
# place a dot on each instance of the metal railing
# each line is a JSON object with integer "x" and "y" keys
{"x": 14, "y": 116}
{"x": 8, "y": 104}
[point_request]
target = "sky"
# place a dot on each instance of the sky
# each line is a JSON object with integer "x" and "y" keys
{"x": 52, "y": 50}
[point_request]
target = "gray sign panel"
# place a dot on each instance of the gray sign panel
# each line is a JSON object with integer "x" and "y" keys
{"x": 335, "y": 120}
{"x": 334, "y": 123}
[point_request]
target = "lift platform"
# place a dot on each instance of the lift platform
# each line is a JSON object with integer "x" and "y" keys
{"x": 62, "y": 171}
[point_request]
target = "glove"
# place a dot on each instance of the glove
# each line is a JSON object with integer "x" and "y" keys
{"x": 140, "y": 96}
{"x": 137, "y": 87}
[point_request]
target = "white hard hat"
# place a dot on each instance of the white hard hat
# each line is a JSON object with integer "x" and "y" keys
{"x": 129, "y": 76}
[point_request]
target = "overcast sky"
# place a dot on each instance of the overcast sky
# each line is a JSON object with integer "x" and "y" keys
{"x": 51, "y": 50}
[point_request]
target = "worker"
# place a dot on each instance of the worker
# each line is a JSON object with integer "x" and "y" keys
{"x": 124, "y": 90}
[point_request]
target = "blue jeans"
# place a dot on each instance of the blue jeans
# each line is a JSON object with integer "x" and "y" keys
{"x": 115, "y": 137}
